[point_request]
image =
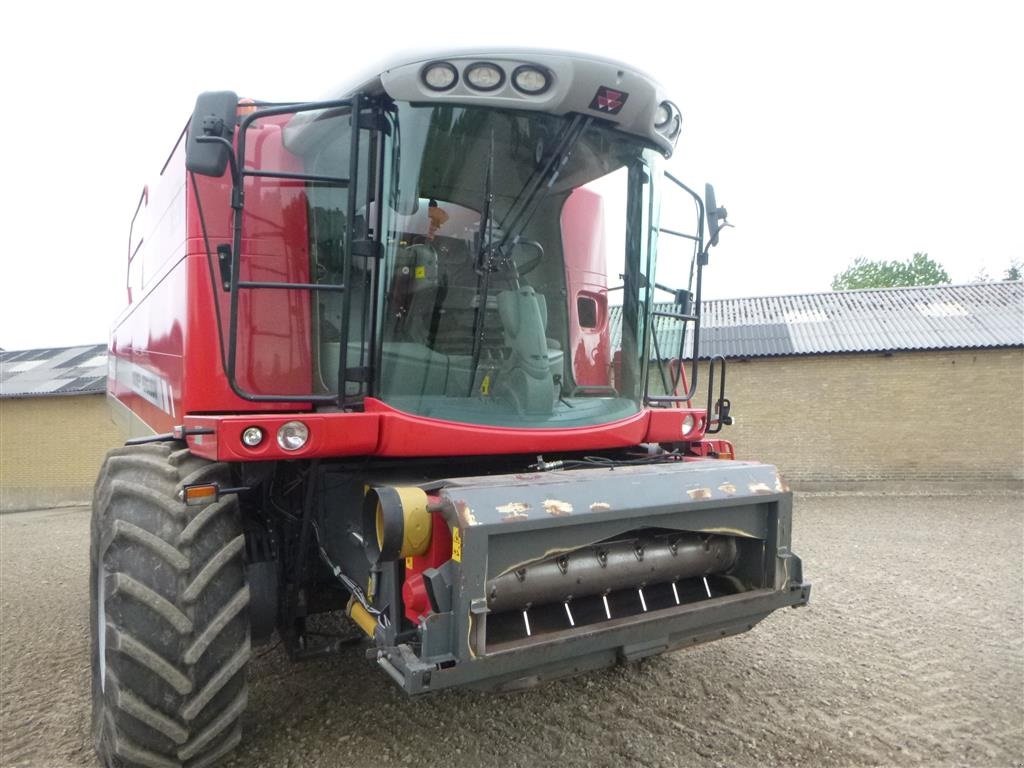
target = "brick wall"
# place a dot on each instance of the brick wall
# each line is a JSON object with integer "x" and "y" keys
{"x": 916, "y": 416}
{"x": 51, "y": 449}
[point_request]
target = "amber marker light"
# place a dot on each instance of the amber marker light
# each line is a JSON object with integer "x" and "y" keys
{"x": 199, "y": 495}
{"x": 246, "y": 107}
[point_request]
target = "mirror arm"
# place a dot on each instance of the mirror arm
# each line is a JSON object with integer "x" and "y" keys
{"x": 231, "y": 158}
{"x": 681, "y": 296}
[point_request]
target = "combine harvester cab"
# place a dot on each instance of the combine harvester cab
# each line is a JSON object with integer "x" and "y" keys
{"x": 390, "y": 355}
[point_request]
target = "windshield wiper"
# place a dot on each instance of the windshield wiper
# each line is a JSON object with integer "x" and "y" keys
{"x": 483, "y": 267}
{"x": 515, "y": 221}
{"x": 540, "y": 183}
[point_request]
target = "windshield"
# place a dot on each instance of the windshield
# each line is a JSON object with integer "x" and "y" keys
{"x": 505, "y": 237}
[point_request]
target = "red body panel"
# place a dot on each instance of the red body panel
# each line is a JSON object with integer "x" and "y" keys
{"x": 385, "y": 431}
{"x": 403, "y": 434}
{"x": 586, "y": 282}
{"x": 166, "y": 358}
{"x": 147, "y": 343}
{"x": 330, "y": 434}
{"x": 275, "y": 344}
{"x": 666, "y": 425}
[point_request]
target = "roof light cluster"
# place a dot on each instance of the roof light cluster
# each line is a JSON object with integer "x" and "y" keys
{"x": 486, "y": 77}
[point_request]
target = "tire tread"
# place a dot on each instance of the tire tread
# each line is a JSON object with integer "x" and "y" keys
{"x": 160, "y": 605}
{"x": 222, "y": 677}
{"x": 213, "y": 566}
{"x": 128, "y": 702}
{"x": 175, "y": 686}
{"x": 167, "y": 552}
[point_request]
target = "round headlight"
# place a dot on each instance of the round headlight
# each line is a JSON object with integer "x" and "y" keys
{"x": 439, "y": 76}
{"x": 485, "y": 77}
{"x": 252, "y": 436}
{"x": 662, "y": 115}
{"x": 530, "y": 80}
{"x": 688, "y": 424}
{"x": 292, "y": 435}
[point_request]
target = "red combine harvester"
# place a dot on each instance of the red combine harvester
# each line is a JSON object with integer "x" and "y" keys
{"x": 369, "y": 364}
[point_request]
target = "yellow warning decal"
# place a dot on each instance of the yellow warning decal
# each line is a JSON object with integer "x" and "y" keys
{"x": 421, "y": 272}
{"x": 456, "y": 545}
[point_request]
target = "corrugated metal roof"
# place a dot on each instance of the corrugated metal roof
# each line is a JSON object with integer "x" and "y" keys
{"x": 53, "y": 371}
{"x": 972, "y": 316}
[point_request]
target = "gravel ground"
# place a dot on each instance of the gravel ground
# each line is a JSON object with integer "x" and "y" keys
{"x": 911, "y": 653}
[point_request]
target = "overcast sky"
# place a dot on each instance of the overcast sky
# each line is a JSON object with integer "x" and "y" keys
{"x": 830, "y": 130}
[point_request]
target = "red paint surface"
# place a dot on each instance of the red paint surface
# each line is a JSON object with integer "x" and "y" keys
{"x": 666, "y": 425}
{"x": 404, "y": 434}
{"x": 330, "y": 434}
{"x": 275, "y": 341}
{"x": 585, "y": 278}
{"x": 384, "y": 431}
{"x": 166, "y": 339}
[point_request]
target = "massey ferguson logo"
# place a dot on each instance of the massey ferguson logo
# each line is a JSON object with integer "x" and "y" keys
{"x": 608, "y": 100}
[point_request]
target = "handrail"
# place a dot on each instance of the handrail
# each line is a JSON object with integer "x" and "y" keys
{"x": 237, "y": 203}
{"x": 722, "y": 406}
{"x": 700, "y": 257}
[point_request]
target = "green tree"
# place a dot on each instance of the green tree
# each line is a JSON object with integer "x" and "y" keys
{"x": 919, "y": 270}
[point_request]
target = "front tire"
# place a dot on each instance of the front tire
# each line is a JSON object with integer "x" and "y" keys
{"x": 169, "y": 612}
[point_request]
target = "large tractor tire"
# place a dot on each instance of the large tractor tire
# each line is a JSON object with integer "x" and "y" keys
{"x": 170, "y": 622}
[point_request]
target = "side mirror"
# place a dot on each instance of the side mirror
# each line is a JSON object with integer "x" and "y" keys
{"x": 684, "y": 301}
{"x": 208, "y": 145}
{"x": 716, "y": 215}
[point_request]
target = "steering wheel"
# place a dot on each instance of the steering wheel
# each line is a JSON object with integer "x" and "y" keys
{"x": 529, "y": 263}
